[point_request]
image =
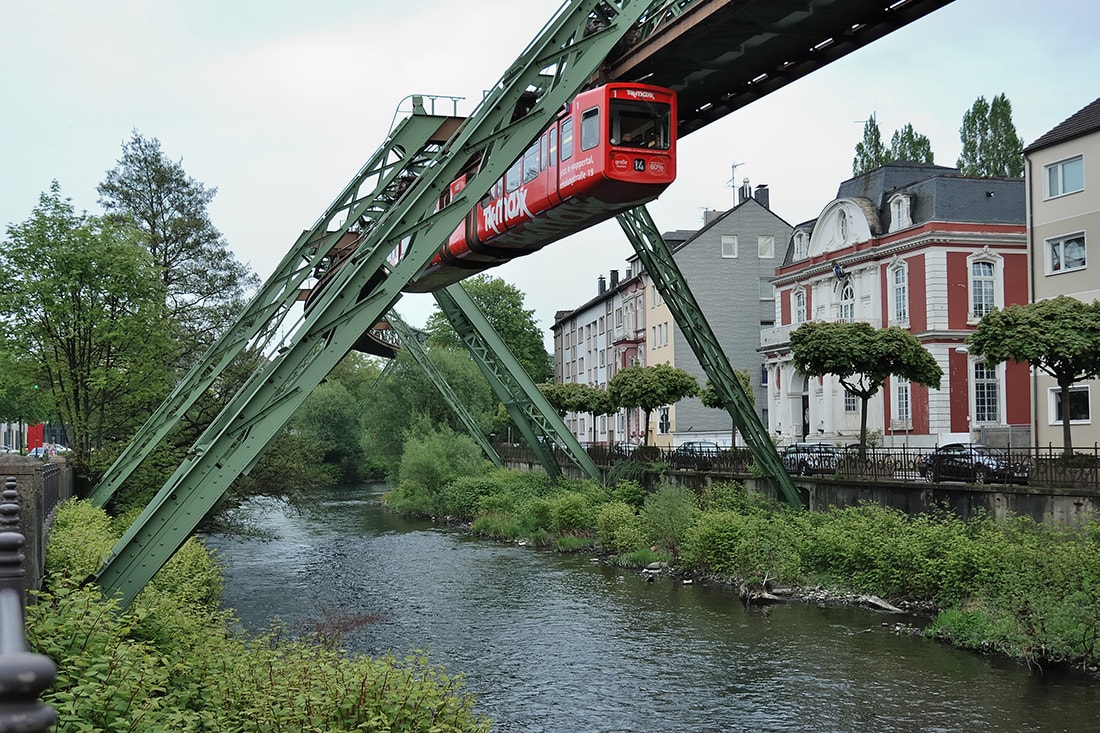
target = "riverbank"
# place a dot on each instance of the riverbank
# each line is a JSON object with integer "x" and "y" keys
{"x": 1007, "y": 587}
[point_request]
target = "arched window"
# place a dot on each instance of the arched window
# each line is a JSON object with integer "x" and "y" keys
{"x": 847, "y": 302}
{"x": 899, "y": 293}
{"x": 799, "y": 306}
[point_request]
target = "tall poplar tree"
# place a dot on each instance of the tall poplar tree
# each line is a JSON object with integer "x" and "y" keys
{"x": 908, "y": 144}
{"x": 990, "y": 146}
{"x": 870, "y": 152}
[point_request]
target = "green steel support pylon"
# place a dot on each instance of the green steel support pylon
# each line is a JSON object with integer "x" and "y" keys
{"x": 409, "y": 148}
{"x": 662, "y": 269}
{"x": 530, "y": 410}
{"x": 411, "y": 343}
{"x": 363, "y": 288}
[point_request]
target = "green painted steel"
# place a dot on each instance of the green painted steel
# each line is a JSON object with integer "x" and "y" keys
{"x": 411, "y": 342}
{"x": 557, "y": 63}
{"x": 670, "y": 283}
{"x": 405, "y": 153}
{"x": 529, "y": 409}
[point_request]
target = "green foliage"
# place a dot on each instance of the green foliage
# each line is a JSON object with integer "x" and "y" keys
{"x": 908, "y": 144}
{"x": 709, "y": 396}
{"x": 862, "y": 358}
{"x": 570, "y": 512}
{"x": 990, "y": 146}
{"x": 667, "y": 515}
{"x": 329, "y": 419}
{"x": 502, "y": 305}
{"x": 743, "y": 545}
{"x": 428, "y": 465}
{"x": 629, "y": 492}
{"x": 619, "y": 528}
{"x": 1059, "y": 336}
{"x": 169, "y": 662}
{"x": 870, "y": 152}
{"x": 649, "y": 387}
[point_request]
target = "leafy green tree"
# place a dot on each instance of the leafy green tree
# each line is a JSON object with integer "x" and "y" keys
{"x": 562, "y": 397}
{"x": 1059, "y": 336}
{"x": 205, "y": 286}
{"x": 85, "y": 301}
{"x": 329, "y": 418}
{"x": 862, "y": 357}
{"x": 21, "y": 400}
{"x": 502, "y": 305}
{"x": 649, "y": 387}
{"x": 870, "y": 152}
{"x": 708, "y": 395}
{"x": 990, "y": 146}
{"x": 908, "y": 144}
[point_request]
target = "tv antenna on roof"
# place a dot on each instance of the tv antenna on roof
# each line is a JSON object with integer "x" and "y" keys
{"x": 732, "y": 182}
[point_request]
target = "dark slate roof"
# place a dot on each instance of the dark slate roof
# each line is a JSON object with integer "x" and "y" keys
{"x": 873, "y": 184}
{"x": 1080, "y": 123}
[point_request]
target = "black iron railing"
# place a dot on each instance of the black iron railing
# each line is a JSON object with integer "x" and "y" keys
{"x": 23, "y": 675}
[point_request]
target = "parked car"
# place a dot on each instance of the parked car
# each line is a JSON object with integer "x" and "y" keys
{"x": 39, "y": 452}
{"x": 810, "y": 458}
{"x": 972, "y": 462}
{"x": 7, "y": 449}
{"x": 697, "y": 454}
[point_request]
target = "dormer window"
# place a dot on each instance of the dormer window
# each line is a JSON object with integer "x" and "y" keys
{"x": 801, "y": 245}
{"x": 900, "y": 212}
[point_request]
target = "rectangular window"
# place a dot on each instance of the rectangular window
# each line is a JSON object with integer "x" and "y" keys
{"x": 729, "y": 245}
{"x": 1079, "y": 405}
{"x": 800, "y": 306}
{"x": 902, "y": 400}
{"x": 767, "y": 291}
{"x": 981, "y": 288}
{"x": 985, "y": 394}
{"x": 763, "y": 374}
{"x": 851, "y": 402}
{"x": 766, "y": 246}
{"x": 512, "y": 177}
{"x": 590, "y": 128}
{"x": 901, "y": 295}
{"x": 531, "y": 163}
{"x": 1065, "y": 176}
{"x": 1066, "y": 253}
{"x": 566, "y": 139}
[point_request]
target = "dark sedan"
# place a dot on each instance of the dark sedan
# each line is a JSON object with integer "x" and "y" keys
{"x": 974, "y": 463}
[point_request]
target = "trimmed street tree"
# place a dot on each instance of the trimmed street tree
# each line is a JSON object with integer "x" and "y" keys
{"x": 1059, "y": 336}
{"x": 650, "y": 387}
{"x": 862, "y": 358}
{"x": 708, "y": 395}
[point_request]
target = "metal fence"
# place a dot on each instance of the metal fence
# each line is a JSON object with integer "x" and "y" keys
{"x": 23, "y": 675}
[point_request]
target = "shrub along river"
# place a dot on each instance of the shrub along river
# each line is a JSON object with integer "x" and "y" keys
{"x": 561, "y": 643}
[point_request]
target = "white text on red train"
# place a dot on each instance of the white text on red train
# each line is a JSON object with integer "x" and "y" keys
{"x": 506, "y": 210}
{"x": 640, "y": 94}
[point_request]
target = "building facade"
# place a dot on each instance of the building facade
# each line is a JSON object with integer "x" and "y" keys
{"x": 917, "y": 246}
{"x": 1063, "y": 213}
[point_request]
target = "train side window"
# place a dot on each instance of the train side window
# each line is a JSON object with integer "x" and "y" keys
{"x": 542, "y": 150}
{"x": 567, "y": 139}
{"x": 512, "y": 177}
{"x": 531, "y": 163}
{"x": 553, "y": 146}
{"x": 590, "y": 128}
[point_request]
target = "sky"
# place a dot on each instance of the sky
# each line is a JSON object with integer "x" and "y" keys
{"x": 277, "y": 104}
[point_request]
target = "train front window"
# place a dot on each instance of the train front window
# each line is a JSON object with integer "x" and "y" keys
{"x": 640, "y": 124}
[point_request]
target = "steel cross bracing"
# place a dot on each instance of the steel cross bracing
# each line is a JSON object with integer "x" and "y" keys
{"x": 662, "y": 269}
{"x": 411, "y": 343}
{"x": 556, "y": 64}
{"x": 528, "y": 407}
{"x": 408, "y": 150}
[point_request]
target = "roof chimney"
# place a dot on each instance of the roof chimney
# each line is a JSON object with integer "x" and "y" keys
{"x": 745, "y": 192}
{"x": 762, "y": 195}
{"x": 614, "y": 278}
{"x": 601, "y": 285}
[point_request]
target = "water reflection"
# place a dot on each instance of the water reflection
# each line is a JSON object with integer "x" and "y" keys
{"x": 559, "y": 643}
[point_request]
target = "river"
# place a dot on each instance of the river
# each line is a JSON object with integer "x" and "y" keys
{"x": 563, "y": 644}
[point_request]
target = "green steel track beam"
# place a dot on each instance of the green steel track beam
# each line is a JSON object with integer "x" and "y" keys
{"x": 408, "y": 150}
{"x": 662, "y": 269}
{"x": 526, "y": 404}
{"x": 412, "y": 344}
{"x": 363, "y": 288}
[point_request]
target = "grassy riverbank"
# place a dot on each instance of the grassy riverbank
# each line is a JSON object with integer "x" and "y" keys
{"x": 171, "y": 662}
{"x": 1010, "y": 587}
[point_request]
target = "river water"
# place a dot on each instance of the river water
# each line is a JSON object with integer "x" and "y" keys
{"x": 553, "y": 643}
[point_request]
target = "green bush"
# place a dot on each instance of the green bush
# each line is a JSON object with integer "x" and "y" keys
{"x": 570, "y": 513}
{"x": 428, "y": 464}
{"x": 618, "y": 528}
{"x": 667, "y": 515}
{"x": 743, "y": 545}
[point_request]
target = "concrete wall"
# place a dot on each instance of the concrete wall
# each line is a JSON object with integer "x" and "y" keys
{"x": 41, "y": 487}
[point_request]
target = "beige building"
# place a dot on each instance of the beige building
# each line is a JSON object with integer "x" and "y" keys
{"x": 1063, "y": 215}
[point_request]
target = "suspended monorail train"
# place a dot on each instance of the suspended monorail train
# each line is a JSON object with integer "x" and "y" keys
{"x": 611, "y": 149}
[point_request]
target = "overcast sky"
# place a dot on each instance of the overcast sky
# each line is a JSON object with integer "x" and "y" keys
{"x": 278, "y": 103}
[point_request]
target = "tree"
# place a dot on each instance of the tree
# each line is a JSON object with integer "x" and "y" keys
{"x": 862, "y": 358}
{"x": 1059, "y": 336}
{"x": 908, "y": 144}
{"x": 205, "y": 286}
{"x": 870, "y": 152}
{"x": 649, "y": 387}
{"x": 87, "y": 303}
{"x": 990, "y": 146}
{"x": 502, "y": 305}
{"x": 709, "y": 396}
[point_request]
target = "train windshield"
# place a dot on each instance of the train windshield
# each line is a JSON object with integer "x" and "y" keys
{"x": 640, "y": 124}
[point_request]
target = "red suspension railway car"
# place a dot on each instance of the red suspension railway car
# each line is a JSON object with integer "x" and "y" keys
{"x": 611, "y": 149}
